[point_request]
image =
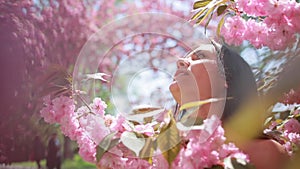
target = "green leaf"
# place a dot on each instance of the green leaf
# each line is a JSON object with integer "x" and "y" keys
{"x": 132, "y": 142}
{"x": 56, "y": 81}
{"x": 209, "y": 12}
{"x": 199, "y": 103}
{"x": 107, "y": 143}
{"x": 187, "y": 109}
{"x": 241, "y": 164}
{"x": 201, "y": 4}
{"x": 217, "y": 167}
{"x": 169, "y": 141}
{"x": 228, "y": 164}
{"x": 221, "y": 9}
{"x": 148, "y": 150}
{"x": 220, "y": 24}
{"x": 233, "y": 163}
{"x": 198, "y": 14}
{"x": 268, "y": 120}
{"x": 145, "y": 114}
{"x": 209, "y": 19}
{"x": 97, "y": 76}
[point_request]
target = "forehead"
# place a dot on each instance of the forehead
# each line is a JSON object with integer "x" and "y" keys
{"x": 202, "y": 49}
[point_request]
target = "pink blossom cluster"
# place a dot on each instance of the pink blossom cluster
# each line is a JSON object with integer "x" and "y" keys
{"x": 206, "y": 148}
{"x": 89, "y": 125}
{"x": 86, "y": 126}
{"x": 272, "y": 23}
{"x": 292, "y": 97}
{"x": 114, "y": 160}
{"x": 289, "y": 130}
{"x": 291, "y": 134}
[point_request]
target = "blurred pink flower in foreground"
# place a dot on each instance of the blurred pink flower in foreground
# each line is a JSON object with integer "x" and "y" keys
{"x": 292, "y": 126}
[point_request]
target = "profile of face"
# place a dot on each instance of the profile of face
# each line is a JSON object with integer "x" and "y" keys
{"x": 200, "y": 76}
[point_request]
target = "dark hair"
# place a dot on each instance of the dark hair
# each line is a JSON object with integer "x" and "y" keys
{"x": 240, "y": 81}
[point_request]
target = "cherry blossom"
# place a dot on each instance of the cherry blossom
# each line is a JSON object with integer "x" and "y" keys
{"x": 292, "y": 126}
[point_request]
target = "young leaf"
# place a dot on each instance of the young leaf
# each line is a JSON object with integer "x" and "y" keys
{"x": 198, "y": 14}
{"x": 217, "y": 167}
{"x": 141, "y": 114}
{"x": 221, "y": 9}
{"x": 169, "y": 141}
{"x": 56, "y": 81}
{"x": 233, "y": 163}
{"x": 228, "y": 163}
{"x": 209, "y": 19}
{"x": 183, "y": 116}
{"x": 189, "y": 108}
{"x": 209, "y": 12}
{"x": 106, "y": 143}
{"x": 199, "y": 103}
{"x": 241, "y": 164}
{"x": 132, "y": 142}
{"x": 97, "y": 76}
{"x": 201, "y": 4}
{"x": 220, "y": 24}
{"x": 148, "y": 150}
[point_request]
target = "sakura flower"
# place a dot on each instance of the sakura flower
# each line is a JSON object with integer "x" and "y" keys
{"x": 70, "y": 127}
{"x": 293, "y": 137}
{"x": 109, "y": 119}
{"x": 257, "y": 33}
{"x": 230, "y": 150}
{"x": 292, "y": 126}
{"x": 94, "y": 127}
{"x": 112, "y": 160}
{"x": 56, "y": 109}
{"x": 98, "y": 106}
{"x": 159, "y": 162}
{"x": 87, "y": 148}
{"x": 117, "y": 125}
{"x": 288, "y": 147}
{"x": 62, "y": 106}
{"x": 144, "y": 129}
{"x": 137, "y": 163}
{"x": 253, "y": 7}
{"x": 48, "y": 114}
{"x": 206, "y": 147}
{"x": 233, "y": 30}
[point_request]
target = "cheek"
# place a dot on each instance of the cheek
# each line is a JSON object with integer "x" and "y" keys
{"x": 203, "y": 81}
{"x": 204, "y": 87}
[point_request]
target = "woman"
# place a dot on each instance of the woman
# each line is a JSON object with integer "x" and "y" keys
{"x": 212, "y": 71}
{"x": 53, "y": 153}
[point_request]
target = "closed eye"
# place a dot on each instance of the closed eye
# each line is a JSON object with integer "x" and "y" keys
{"x": 198, "y": 55}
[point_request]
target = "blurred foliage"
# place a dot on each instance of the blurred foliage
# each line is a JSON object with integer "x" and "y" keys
{"x": 75, "y": 163}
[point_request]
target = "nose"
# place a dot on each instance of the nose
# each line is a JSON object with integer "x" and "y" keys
{"x": 182, "y": 63}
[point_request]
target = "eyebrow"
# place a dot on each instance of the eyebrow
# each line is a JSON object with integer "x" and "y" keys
{"x": 218, "y": 50}
{"x": 197, "y": 52}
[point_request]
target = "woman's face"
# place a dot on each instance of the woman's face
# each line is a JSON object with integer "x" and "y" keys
{"x": 198, "y": 77}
